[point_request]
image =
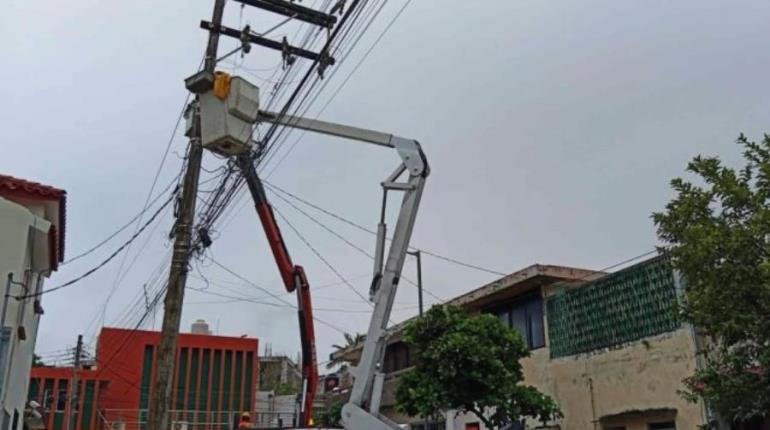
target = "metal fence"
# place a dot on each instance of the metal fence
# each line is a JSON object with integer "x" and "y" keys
{"x": 136, "y": 419}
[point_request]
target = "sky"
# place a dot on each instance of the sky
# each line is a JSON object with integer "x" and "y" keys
{"x": 552, "y": 130}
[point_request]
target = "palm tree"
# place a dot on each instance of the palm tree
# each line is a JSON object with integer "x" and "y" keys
{"x": 350, "y": 340}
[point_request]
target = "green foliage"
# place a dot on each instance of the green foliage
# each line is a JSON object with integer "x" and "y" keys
{"x": 469, "y": 364}
{"x": 37, "y": 361}
{"x": 331, "y": 416}
{"x": 717, "y": 234}
{"x": 285, "y": 389}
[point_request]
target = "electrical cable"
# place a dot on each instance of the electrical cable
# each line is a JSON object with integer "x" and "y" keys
{"x": 162, "y": 163}
{"x": 230, "y": 271}
{"x": 125, "y": 226}
{"x": 339, "y": 88}
{"x": 274, "y": 188}
{"x": 321, "y": 257}
{"x": 345, "y": 240}
{"x": 103, "y": 263}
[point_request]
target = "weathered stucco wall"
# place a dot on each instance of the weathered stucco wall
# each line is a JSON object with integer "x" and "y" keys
{"x": 642, "y": 376}
{"x": 630, "y": 386}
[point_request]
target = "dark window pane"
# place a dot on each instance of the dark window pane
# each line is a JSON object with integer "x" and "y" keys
{"x": 505, "y": 317}
{"x": 519, "y": 321}
{"x": 662, "y": 426}
{"x": 535, "y": 316}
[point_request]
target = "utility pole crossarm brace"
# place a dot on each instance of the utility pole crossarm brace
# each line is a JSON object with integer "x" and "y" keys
{"x": 363, "y": 409}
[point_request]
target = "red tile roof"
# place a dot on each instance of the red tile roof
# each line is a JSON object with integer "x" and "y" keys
{"x": 14, "y": 187}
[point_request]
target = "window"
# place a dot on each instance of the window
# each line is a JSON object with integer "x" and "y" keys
{"x": 526, "y": 317}
{"x": 397, "y": 357}
{"x": 669, "y": 425}
{"x": 63, "y": 391}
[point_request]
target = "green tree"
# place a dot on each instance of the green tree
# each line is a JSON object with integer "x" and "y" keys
{"x": 37, "y": 361}
{"x": 469, "y": 364}
{"x": 331, "y": 416}
{"x": 716, "y": 232}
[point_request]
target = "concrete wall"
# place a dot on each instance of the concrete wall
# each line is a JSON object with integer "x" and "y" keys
{"x": 23, "y": 251}
{"x": 630, "y": 386}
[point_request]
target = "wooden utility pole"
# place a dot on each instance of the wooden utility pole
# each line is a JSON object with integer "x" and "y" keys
{"x": 74, "y": 392}
{"x": 172, "y": 306}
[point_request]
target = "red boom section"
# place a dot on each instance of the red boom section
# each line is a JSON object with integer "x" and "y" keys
{"x": 293, "y": 279}
{"x": 274, "y": 238}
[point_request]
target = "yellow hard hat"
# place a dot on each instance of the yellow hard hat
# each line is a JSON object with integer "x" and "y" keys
{"x": 246, "y": 415}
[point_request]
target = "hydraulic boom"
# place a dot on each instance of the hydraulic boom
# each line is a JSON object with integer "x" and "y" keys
{"x": 294, "y": 279}
{"x": 362, "y": 412}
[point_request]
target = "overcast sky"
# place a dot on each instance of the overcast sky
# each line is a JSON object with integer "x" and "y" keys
{"x": 552, "y": 129}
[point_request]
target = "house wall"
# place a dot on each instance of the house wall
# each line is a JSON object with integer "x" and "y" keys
{"x": 23, "y": 251}
{"x": 591, "y": 388}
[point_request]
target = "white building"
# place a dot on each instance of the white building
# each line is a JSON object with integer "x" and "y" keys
{"x": 32, "y": 219}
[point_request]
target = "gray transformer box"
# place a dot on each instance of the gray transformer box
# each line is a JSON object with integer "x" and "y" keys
{"x": 226, "y": 124}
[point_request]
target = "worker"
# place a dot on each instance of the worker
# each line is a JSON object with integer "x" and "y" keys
{"x": 245, "y": 421}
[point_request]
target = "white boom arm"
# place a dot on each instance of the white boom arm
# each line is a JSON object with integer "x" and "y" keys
{"x": 362, "y": 412}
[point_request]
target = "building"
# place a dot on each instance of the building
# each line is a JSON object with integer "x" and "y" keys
{"x": 50, "y": 387}
{"x": 280, "y": 384}
{"x": 215, "y": 379}
{"x": 200, "y": 327}
{"x": 280, "y": 374}
{"x": 32, "y": 224}
{"x": 608, "y": 348}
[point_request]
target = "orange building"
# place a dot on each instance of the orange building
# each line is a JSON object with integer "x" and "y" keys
{"x": 215, "y": 379}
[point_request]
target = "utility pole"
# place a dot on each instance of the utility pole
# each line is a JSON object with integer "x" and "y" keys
{"x": 172, "y": 305}
{"x": 73, "y": 398}
{"x": 418, "y": 254}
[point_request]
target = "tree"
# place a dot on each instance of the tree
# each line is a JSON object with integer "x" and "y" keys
{"x": 331, "y": 417}
{"x": 469, "y": 364}
{"x": 350, "y": 340}
{"x": 717, "y": 235}
{"x": 37, "y": 361}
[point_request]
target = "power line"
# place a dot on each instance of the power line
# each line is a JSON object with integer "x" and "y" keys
{"x": 160, "y": 166}
{"x": 321, "y": 257}
{"x": 230, "y": 271}
{"x": 273, "y": 187}
{"x": 347, "y": 78}
{"x": 124, "y": 227}
{"x": 227, "y": 189}
{"x": 107, "y": 260}
{"x": 277, "y": 305}
{"x": 285, "y": 132}
{"x": 342, "y": 238}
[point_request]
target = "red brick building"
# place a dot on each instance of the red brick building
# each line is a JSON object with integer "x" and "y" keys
{"x": 215, "y": 378}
